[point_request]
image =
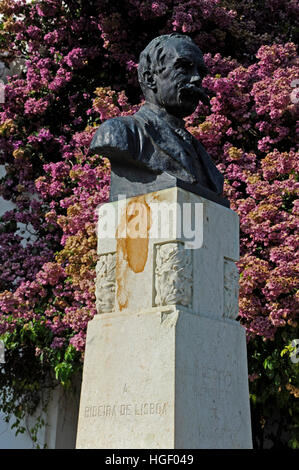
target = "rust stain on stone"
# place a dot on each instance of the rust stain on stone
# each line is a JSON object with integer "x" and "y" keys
{"x": 132, "y": 244}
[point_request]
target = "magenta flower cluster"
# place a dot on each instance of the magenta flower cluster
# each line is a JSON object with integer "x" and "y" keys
{"x": 81, "y": 62}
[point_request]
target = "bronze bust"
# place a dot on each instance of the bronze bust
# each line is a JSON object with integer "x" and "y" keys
{"x": 152, "y": 150}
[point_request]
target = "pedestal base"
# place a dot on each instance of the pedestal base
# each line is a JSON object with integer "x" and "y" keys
{"x": 164, "y": 379}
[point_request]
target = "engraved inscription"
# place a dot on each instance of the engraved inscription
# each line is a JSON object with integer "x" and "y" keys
{"x": 100, "y": 410}
{"x": 231, "y": 290}
{"x": 105, "y": 283}
{"x": 222, "y": 426}
{"x": 173, "y": 275}
{"x": 150, "y": 409}
{"x": 217, "y": 386}
{"x": 214, "y": 380}
{"x": 126, "y": 409}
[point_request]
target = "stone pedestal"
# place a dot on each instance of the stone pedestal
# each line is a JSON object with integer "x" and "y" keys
{"x": 165, "y": 364}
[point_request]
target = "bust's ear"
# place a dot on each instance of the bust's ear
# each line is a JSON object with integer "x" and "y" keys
{"x": 149, "y": 80}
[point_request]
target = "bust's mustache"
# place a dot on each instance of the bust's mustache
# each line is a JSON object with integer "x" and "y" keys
{"x": 193, "y": 93}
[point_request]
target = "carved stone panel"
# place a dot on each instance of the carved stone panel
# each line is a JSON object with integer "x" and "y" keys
{"x": 173, "y": 275}
{"x": 105, "y": 283}
{"x": 231, "y": 290}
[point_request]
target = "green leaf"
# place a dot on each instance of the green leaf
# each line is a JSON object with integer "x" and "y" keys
{"x": 70, "y": 353}
{"x": 63, "y": 371}
{"x": 266, "y": 363}
{"x": 253, "y": 398}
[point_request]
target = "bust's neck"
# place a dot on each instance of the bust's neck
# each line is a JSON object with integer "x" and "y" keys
{"x": 173, "y": 121}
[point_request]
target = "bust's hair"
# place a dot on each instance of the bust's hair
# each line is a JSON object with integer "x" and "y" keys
{"x": 151, "y": 58}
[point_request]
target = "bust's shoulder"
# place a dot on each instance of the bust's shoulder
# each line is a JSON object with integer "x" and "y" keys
{"x": 117, "y": 123}
{"x": 115, "y": 131}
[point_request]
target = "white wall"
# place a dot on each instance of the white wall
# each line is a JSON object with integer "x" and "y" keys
{"x": 8, "y": 439}
{"x": 4, "y": 205}
{"x": 61, "y": 429}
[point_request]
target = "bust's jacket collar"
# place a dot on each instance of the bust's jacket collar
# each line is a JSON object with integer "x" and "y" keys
{"x": 171, "y": 120}
{"x": 163, "y": 135}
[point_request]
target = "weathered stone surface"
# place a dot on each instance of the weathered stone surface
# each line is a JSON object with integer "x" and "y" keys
{"x": 136, "y": 230}
{"x": 231, "y": 289}
{"x": 173, "y": 274}
{"x": 166, "y": 368}
{"x": 105, "y": 283}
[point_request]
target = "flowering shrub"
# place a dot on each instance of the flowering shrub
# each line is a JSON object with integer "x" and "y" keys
{"x": 81, "y": 60}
